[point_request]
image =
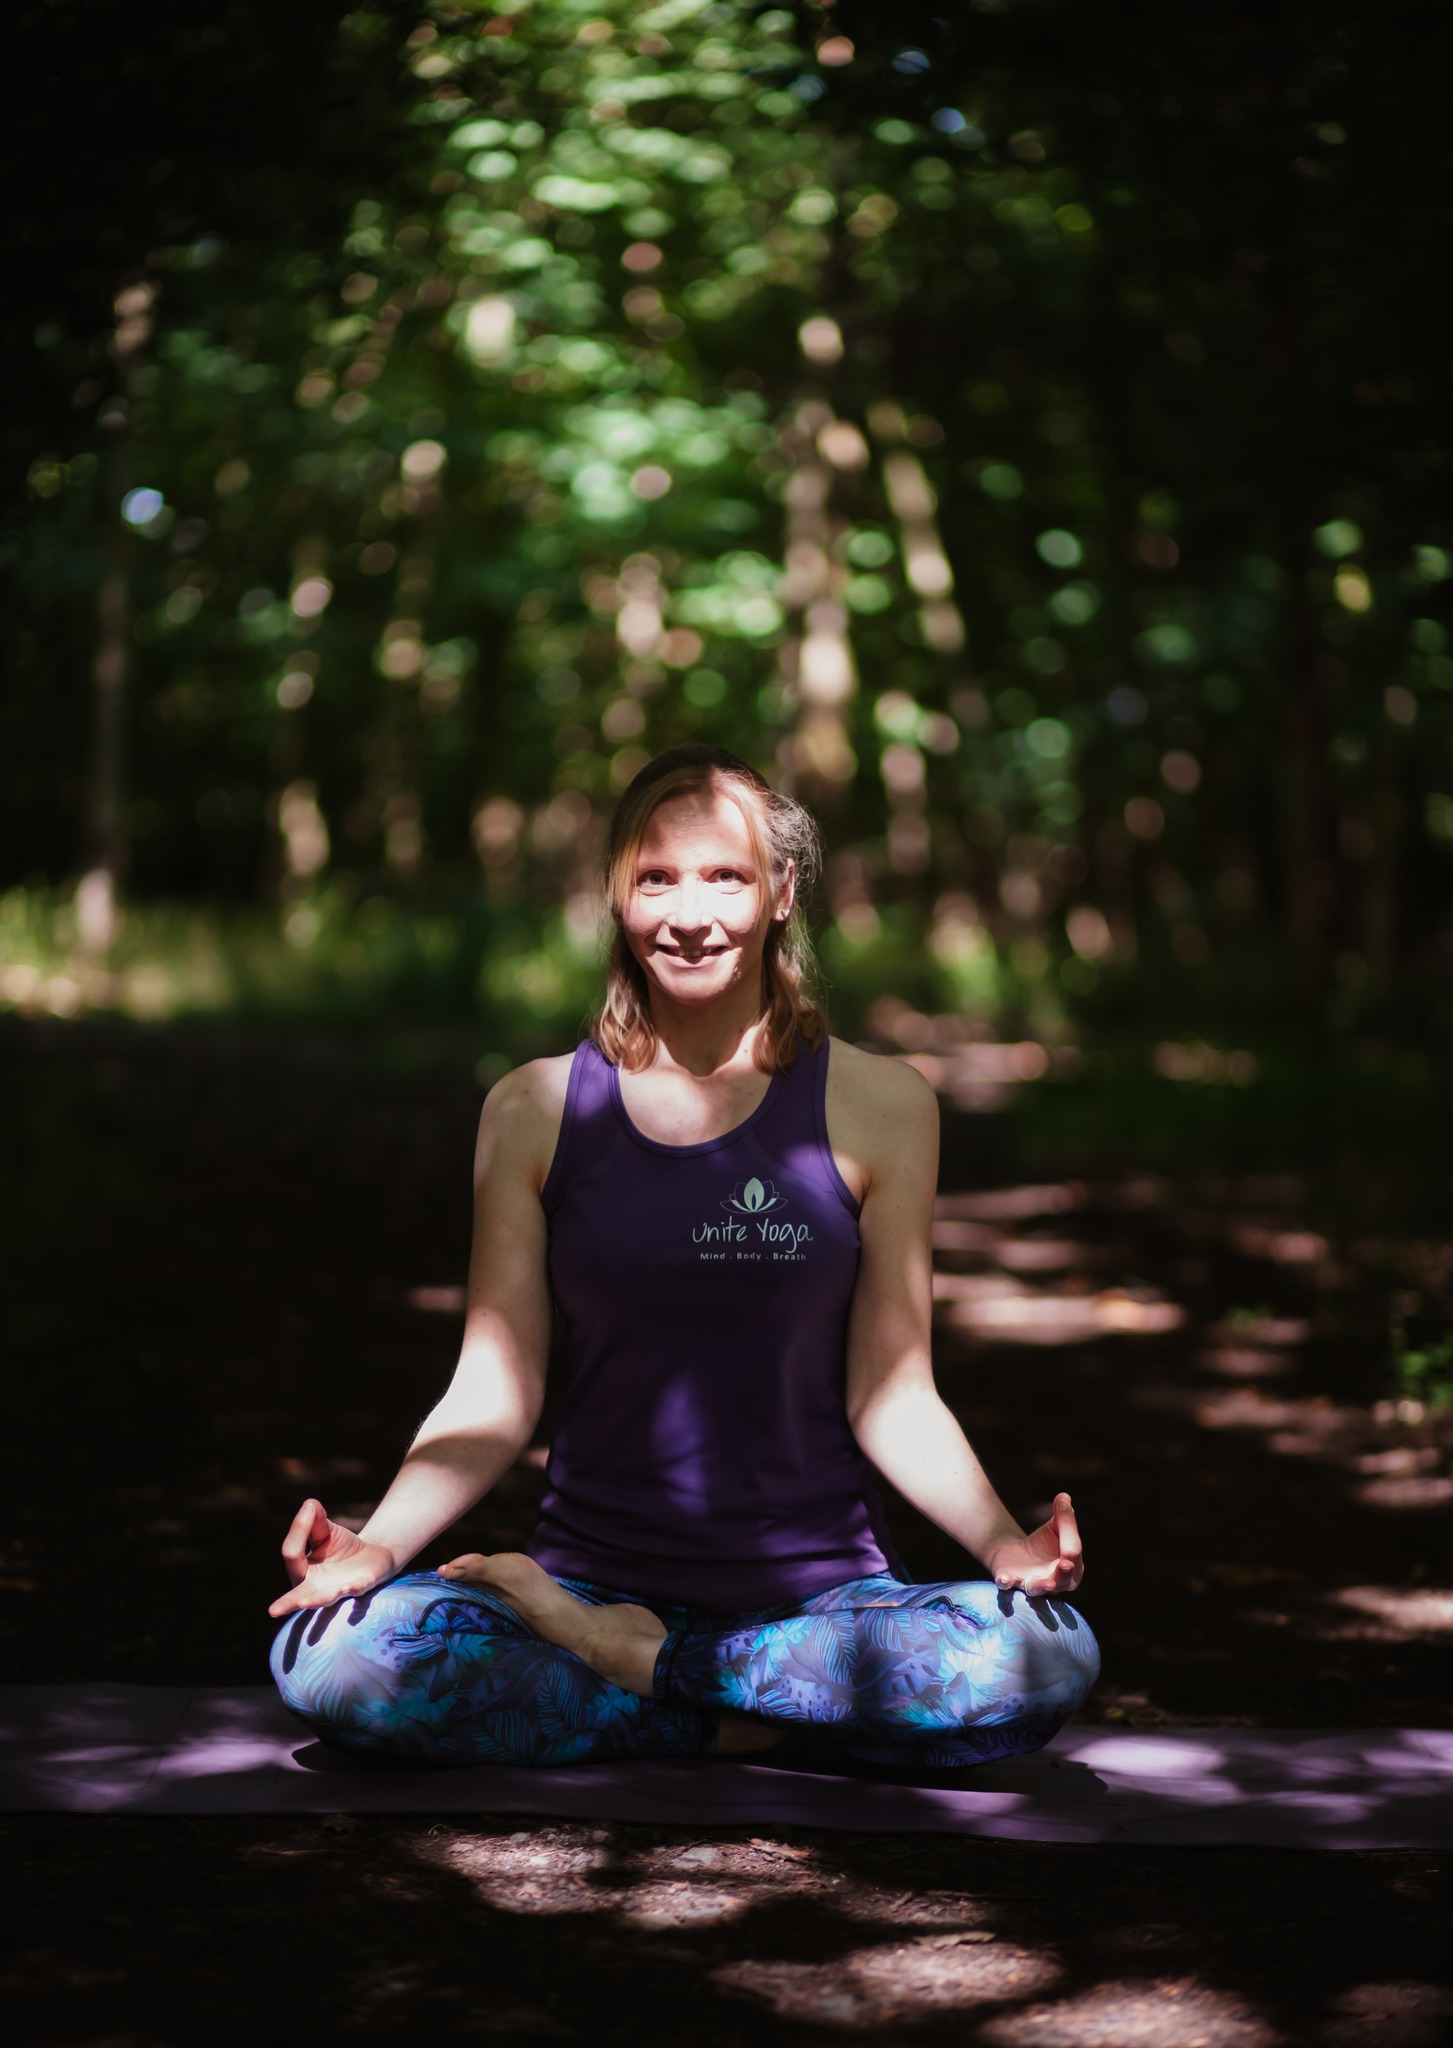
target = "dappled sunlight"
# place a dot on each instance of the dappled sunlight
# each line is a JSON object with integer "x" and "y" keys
{"x": 1239, "y": 1362}
{"x": 1402, "y": 1613}
{"x": 1403, "y": 1475}
{"x": 987, "y": 1306}
{"x": 981, "y": 1077}
{"x": 532, "y": 1871}
{"x": 1282, "y": 1247}
{"x": 1045, "y": 1254}
{"x": 553, "y": 1871}
{"x": 1013, "y": 1204}
{"x": 1258, "y": 1349}
{"x": 904, "y": 1981}
{"x": 1400, "y": 1462}
{"x": 949, "y": 1236}
{"x": 986, "y": 1249}
{"x": 1410, "y": 2013}
{"x": 1407, "y": 1491}
{"x": 437, "y": 1301}
{"x": 147, "y": 1750}
{"x": 1303, "y": 1424}
{"x": 1175, "y": 2013}
{"x": 684, "y": 1905}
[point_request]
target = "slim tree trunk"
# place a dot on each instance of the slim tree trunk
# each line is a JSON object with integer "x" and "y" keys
{"x": 98, "y": 898}
{"x": 1307, "y": 854}
{"x": 1292, "y": 445}
{"x": 99, "y": 895}
{"x": 1382, "y": 888}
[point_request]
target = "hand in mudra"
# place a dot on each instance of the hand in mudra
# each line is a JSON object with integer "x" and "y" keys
{"x": 1048, "y": 1561}
{"x": 327, "y": 1562}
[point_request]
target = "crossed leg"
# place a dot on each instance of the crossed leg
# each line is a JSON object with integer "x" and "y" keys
{"x": 889, "y": 1676}
{"x": 620, "y": 1642}
{"x": 871, "y": 1672}
{"x": 422, "y": 1671}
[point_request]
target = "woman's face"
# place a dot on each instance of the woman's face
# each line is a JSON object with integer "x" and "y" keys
{"x": 696, "y": 915}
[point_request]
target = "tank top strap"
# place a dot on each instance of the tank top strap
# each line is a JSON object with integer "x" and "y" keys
{"x": 799, "y": 1121}
{"x": 795, "y": 1116}
{"x": 587, "y": 1114}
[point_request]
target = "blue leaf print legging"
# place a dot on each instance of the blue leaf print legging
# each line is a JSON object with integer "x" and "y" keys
{"x": 870, "y": 1675}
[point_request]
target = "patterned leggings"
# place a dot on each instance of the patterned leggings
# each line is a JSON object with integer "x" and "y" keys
{"x": 871, "y": 1674}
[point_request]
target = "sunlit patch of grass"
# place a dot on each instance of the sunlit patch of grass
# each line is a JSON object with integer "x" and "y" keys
{"x": 525, "y": 983}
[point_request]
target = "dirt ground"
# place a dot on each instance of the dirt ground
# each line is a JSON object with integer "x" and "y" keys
{"x": 232, "y": 1272}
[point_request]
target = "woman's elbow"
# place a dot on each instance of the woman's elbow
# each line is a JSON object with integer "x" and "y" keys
{"x": 881, "y": 1405}
{"x": 867, "y": 1408}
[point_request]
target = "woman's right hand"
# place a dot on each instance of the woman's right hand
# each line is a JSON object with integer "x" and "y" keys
{"x": 327, "y": 1562}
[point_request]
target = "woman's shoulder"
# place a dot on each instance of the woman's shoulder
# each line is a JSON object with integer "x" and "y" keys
{"x": 523, "y": 1111}
{"x": 877, "y": 1083}
{"x": 543, "y": 1080}
{"x": 882, "y": 1117}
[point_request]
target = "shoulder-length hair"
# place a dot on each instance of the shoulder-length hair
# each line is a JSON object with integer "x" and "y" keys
{"x": 785, "y": 841}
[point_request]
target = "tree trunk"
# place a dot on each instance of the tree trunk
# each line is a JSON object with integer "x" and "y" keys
{"x": 98, "y": 898}
{"x": 1383, "y": 895}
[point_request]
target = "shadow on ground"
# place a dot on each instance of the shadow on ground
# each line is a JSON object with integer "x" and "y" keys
{"x": 615, "y": 1933}
{"x": 233, "y": 1274}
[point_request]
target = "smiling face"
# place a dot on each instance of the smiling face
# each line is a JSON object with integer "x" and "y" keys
{"x": 696, "y": 911}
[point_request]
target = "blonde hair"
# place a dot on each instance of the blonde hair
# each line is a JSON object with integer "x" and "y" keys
{"x": 784, "y": 839}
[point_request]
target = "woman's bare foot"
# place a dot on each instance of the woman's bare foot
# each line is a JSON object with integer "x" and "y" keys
{"x": 619, "y": 1643}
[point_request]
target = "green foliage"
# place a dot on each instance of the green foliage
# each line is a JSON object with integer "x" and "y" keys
{"x": 982, "y": 434}
{"x": 1424, "y": 1375}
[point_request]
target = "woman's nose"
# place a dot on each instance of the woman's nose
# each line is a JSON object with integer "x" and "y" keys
{"x": 685, "y": 912}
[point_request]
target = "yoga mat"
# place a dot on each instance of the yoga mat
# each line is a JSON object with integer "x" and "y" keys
{"x": 155, "y": 1750}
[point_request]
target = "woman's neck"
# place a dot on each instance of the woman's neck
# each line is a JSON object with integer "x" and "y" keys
{"x": 705, "y": 1041}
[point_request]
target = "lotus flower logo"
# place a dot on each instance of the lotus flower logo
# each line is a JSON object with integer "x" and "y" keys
{"x": 754, "y": 1198}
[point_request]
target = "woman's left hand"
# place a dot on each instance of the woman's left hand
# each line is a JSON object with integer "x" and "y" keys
{"x": 1048, "y": 1561}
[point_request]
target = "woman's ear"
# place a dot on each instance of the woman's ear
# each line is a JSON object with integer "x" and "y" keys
{"x": 787, "y": 895}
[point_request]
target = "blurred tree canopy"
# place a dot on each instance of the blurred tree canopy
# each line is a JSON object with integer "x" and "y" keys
{"x": 1023, "y": 430}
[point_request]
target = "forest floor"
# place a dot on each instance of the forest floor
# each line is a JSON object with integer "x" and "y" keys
{"x": 233, "y": 1270}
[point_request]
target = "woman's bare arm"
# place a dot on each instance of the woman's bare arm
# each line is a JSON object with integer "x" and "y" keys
{"x": 884, "y": 1124}
{"x": 488, "y": 1413}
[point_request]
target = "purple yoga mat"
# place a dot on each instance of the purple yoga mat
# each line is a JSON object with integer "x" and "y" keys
{"x": 156, "y": 1750}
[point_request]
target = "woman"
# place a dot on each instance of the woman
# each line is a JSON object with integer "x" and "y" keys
{"x": 731, "y": 1213}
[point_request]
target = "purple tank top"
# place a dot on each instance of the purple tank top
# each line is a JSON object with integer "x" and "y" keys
{"x": 702, "y": 1454}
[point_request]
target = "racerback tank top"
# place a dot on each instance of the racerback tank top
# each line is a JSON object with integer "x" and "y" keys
{"x": 701, "y": 1453}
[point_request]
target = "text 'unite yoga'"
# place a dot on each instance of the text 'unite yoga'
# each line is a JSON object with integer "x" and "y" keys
{"x": 767, "y": 1228}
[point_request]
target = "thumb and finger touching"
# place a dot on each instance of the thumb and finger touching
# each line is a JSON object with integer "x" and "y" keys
{"x": 324, "y": 1583}
{"x": 295, "y": 1543}
{"x": 308, "y": 1529}
{"x": 316, "y": 1552}
{"x": 1050, "y": 1556}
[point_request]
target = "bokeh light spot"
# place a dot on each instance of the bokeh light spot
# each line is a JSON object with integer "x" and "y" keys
{"x": 821, "y": 339}
{"x": 1059, "y": 548}
{"x": 141, "y": 506}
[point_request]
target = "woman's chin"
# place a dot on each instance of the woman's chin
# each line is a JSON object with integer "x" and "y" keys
{"x": 685, "y": 988}
{"x": 700, "y": 982}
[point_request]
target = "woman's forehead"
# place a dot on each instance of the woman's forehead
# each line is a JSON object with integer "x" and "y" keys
{"x": 698, "y": 819}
